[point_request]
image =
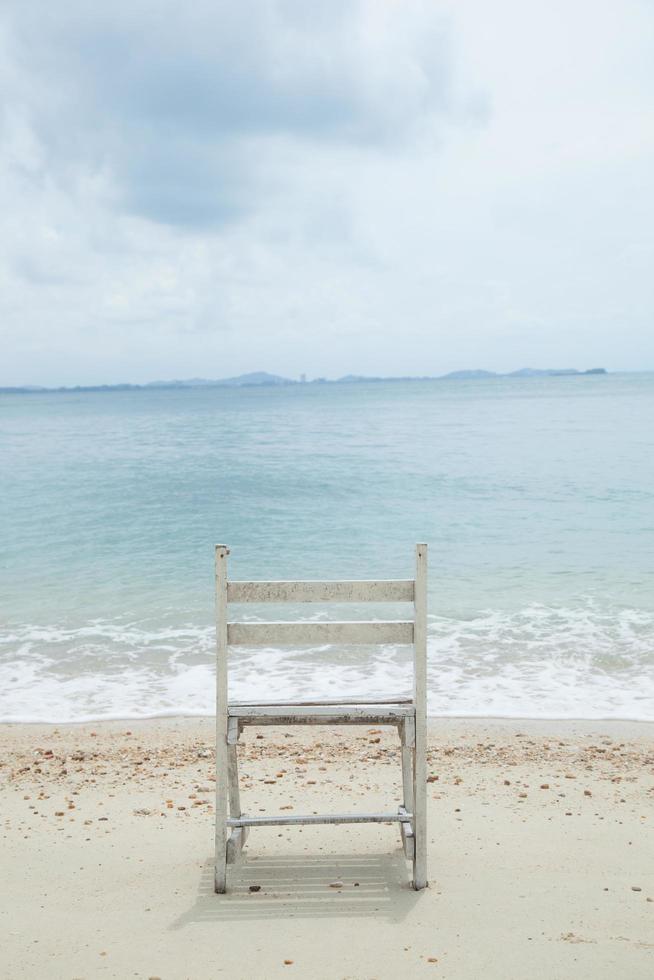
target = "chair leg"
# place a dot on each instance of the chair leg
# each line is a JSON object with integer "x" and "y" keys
{"x": 222, "y": 776}
{"x": 239, "y": 835}
{"x": 420, "y": 812}
{"x": 407, "y": 729}
{"x": 407, "y": 768}
{"x": 234, "y": 794}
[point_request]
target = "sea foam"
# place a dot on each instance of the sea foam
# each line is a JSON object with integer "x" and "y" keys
{"x": 580, "y": 661}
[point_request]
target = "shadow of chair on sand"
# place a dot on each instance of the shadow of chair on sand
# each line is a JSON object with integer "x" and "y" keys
{"x": 300, "y": 886}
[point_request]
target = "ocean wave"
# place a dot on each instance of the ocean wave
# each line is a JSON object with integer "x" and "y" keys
{"x": 585, "y": 660}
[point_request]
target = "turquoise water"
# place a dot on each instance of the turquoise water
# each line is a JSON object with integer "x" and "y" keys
{"x": 536, "y": 497}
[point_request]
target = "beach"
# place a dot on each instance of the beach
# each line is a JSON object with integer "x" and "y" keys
{"x": 326, "y": 393}
{"x": 541, "y": 841}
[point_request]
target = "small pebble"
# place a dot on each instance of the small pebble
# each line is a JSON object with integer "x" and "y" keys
{"x": 335, "y": 884}
{"x": 255, "y": 888}
{"x": 544, "y": 785}
{"x": 636, "y": 888}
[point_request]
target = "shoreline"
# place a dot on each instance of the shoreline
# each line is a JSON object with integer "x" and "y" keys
{"x": 433, "y": 721}
{"x": 539, "y": 840}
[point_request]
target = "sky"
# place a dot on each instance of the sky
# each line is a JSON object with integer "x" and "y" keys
{"x": 388, "y": 187}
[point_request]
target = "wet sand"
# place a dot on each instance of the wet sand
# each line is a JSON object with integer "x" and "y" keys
{"x": 541, "y": 854}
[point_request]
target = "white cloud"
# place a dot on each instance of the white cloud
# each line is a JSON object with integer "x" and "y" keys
{"x": 381, "y": 187}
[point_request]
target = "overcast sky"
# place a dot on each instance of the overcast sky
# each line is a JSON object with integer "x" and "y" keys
{"x": 324, "y": 186}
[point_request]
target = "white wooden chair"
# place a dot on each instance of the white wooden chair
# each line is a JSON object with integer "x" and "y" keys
{"x": 407, "y": 714}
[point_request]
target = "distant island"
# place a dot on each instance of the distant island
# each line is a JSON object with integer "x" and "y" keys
{"x": 261, "y": 379}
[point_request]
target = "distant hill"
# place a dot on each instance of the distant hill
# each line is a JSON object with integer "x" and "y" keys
{"x": 260, "y": 379}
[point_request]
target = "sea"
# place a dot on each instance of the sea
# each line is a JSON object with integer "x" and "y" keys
{"x": 535, "y": 496}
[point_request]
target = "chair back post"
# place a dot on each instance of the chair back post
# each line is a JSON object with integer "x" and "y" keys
{"x": 221, "y": 629}
{"x": 420, "y": 632}
{"x": 220, "y": 882}
{"x": 420, "y": 700}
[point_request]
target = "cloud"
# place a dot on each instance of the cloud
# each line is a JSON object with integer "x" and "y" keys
{"x": 180, "y": 106}
{"x": 382, "y": 186}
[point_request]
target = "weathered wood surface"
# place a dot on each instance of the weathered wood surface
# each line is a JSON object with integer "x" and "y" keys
{"x": 236, "y": 843}
{"x": 360, "y": 699}
{"x": 420, "y": 698}
{"x": 320, "y": 714}
{"x": 233, "y": 731}
{"x": 222, "y": 762}
{"x": 302, "y": 634}
{"x": 408, "y": 839}
{"x": 409, "y": 730}
{"x": 408, "y": 741}
{"x": 232, "y": 781}
{"x": 280, "y": 721}
{"x": 322, "y": 818}
{"x": 396, "y": 590}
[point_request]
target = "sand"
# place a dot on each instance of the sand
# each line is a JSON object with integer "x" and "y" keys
{"x": 541, "y": 855}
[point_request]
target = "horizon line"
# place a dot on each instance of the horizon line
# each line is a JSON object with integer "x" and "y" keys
{"x": 260, "y": 379}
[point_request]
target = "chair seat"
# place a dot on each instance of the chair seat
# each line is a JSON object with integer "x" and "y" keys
{"x": 343, "y": 711}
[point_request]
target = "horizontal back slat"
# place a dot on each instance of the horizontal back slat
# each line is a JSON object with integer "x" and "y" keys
{"x": 398, "y": 590}
{"x": 299, "y": 634}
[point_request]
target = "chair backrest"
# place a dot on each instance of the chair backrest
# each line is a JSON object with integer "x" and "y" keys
{"x": 296, "y": 633}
